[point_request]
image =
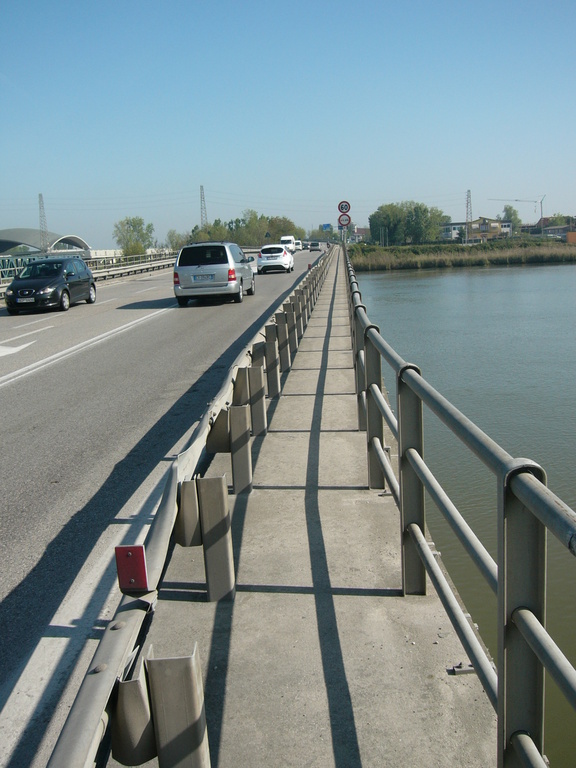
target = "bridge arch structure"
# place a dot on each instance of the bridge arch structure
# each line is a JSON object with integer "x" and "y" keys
{"x": 12, "y": 238}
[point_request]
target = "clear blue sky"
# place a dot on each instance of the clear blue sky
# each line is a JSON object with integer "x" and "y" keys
{"x": 122, "y": 108}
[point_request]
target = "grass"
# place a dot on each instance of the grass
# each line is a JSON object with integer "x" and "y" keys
{"x": 374, "y": 258}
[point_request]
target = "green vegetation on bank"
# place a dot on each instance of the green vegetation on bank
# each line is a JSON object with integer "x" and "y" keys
{"x": 367, "y": 258}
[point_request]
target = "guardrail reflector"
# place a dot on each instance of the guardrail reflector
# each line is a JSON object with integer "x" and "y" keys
{"x": 131, "y": 568}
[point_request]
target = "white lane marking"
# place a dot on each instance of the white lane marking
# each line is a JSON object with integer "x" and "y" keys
{"x": 32, "y": 322}
{"x": 12, "y": 350}
{"x": 30, "y": 333}
{"x": 40, "y": 364}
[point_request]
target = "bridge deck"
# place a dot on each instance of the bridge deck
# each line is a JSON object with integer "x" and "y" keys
{"x": 320, "y": 661}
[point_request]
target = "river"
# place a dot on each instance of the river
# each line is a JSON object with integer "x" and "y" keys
{"x": 500, "y": 344}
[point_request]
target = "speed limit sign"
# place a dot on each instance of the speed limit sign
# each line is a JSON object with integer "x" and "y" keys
{"x": 344, "y": 220}
{"x": 344, "y": 207}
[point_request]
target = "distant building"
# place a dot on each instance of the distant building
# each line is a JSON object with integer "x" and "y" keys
{"x": 481, "y": 229}
{"x": 359, "y": 234}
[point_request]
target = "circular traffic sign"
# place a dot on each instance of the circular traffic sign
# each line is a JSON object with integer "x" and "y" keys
{"x": 344, "y": 220}
{"x": 344, "y": 207}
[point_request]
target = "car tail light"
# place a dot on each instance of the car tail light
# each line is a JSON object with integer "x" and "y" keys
{"x": 176, "y": 279}
{"x": 231, "y": 275}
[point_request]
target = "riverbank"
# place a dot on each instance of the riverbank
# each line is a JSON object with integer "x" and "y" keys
{"x": 374, "y": 258}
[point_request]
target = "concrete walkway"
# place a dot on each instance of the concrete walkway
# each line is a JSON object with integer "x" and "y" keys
{"x": 320, "y": 661}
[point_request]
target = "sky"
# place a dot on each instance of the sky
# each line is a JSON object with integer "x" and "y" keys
{"x": 122, "y": 108}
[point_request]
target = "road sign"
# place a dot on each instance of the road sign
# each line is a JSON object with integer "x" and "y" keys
{"x": 344, "y": 220}
{"x": 344, "y": 207}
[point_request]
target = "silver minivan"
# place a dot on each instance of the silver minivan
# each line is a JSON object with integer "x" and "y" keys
{"x": 213, "y": 269}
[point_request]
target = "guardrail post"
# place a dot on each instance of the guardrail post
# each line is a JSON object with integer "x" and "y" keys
{"x": 292, "y": 332}
{"x": 257, "y": 400}
{"x": 241, "y": 391}
{"x": 301, "y": 299}
{"x": 272, "y": 361}
{"x": 374, "y": 419}
{"x": 521, "y": 583}
{"x": 283, "y": 341}
{"x": 179, "y": 714}
{"x": 240, "y": 448}
{"x": 297, "y": 304}
{"x": 216, "y": 538}
{"x": 133, "y": 739}
{"x": 187, "y": 531}
{"x": 410, "y": 435}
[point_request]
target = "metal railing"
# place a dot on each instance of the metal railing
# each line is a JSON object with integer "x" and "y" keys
{"x": 116, "y": 660}
{"x": 102, "y": 269}
{"x": 526, "y": 511}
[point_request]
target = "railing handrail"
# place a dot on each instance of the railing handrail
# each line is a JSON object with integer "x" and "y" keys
{"x": 527, "y": 509}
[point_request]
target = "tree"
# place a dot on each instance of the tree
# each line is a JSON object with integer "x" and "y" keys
{"x": 133, "y": 236}
{"x": 387, "y": 224}
{"x": 175, "y": 240}
{"x": 511, "y": 214}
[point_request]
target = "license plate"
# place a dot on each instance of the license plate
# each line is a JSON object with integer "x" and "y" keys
{"x": 198, "y": 278}
{"x": 25, "y": 301}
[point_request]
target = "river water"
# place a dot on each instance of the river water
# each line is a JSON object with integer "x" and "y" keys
{"x": 500, "y": 344}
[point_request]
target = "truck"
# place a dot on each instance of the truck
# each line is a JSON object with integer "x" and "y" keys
{"x": 289, "y": 242}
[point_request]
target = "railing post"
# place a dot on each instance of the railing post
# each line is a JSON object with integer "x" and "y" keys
{"x": 410, "y": 435}
{"x": 521, "y": 583}
{"x": 359, "y": 368}
{"x": 374, "y": 419}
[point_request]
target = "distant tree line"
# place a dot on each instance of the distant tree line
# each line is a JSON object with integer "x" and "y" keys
{"x": 406, "y": 222}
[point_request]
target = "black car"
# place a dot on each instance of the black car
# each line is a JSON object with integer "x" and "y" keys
{"x": 46, "y": 283}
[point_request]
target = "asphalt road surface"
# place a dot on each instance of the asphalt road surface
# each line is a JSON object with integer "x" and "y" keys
{"x": 95, "y": 403}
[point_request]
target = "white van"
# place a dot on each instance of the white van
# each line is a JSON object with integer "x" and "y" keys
{"x": 289, "y": 242}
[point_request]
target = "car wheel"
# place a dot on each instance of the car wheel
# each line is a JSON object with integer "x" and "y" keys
{"x": 182, "y": 301}
{"x": 252, "y": 290}
{"x": 91, "y": 295}
{"x": 65, "y": 301}
{"x": 239, "y": 297}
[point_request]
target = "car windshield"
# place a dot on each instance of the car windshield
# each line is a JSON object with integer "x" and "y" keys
{"x": 202, "y": 255}
{"x": 38, "y": 269}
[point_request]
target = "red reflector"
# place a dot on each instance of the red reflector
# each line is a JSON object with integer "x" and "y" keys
{"x": 131, "y": 567}
{"x": 231, "y": 275}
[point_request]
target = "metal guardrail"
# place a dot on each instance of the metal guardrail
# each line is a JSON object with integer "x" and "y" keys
{"x": 526, "y": 511}
{"x": 115, "y": 659}
{"x": 102, "y": 269}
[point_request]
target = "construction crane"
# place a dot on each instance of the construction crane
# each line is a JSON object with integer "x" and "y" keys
{"x": 516, "y": 200}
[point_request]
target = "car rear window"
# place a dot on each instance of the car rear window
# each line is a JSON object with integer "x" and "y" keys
{"x": 271, "y": 250}
{"x": 201, "y": 255}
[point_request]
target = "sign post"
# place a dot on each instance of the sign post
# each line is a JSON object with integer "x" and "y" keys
{"x": 344, "y": 219}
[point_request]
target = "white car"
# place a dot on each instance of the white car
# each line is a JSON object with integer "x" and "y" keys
{"x": 298, "y": 245}
{"x": 275, "y": 256}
